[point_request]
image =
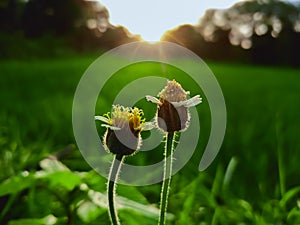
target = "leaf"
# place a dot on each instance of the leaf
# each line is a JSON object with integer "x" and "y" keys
{"x": 294, "y": 216}
{"x": 288, "y": 195}
{"x": 229, "y": 172}
{"x": 132, "y": 193}
{"x": 149, "y": 211}
{"x": 16, "y": 184}
{"x": 98, "y": 198}
{"x": 129, "y": 217}
{"x": 52, "y": 165}
{"x": 88, "y": 211}
{"x": 48, "y": 220}
{"x": 58, "y": 174}
{"x": 218, "y": 181}
{"x": 65, "y": 179}
{"x": 94, "y": 180}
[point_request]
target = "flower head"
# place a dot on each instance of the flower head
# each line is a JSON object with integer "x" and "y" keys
{"x": 123, "y": 129}
{"x": 172, "y": 112}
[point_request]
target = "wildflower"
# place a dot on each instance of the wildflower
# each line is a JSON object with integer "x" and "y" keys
{"x": 123, "y": 129}
{"x": 172, "y": 113}
{"x": 121, "y": 138}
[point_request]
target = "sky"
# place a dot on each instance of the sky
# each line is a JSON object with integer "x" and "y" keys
{"x": 151, "y": 18}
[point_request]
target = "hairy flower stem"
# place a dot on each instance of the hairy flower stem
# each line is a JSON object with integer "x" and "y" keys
{"x": 112, "y": 180}
{"x": 167, "y": 177}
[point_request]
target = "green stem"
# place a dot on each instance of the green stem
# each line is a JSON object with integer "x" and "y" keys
{"x": 166, "y": 177}
{"x": 112, "y": 180}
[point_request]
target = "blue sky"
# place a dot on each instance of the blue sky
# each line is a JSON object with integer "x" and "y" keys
{"x": 152, "y": 18}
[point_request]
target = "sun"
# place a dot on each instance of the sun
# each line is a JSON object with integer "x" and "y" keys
{"x": 153, "y": 35}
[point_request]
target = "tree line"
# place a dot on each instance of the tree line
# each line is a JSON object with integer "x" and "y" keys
{"x": 260, "y": 32}
{"x": 257, "y": 31}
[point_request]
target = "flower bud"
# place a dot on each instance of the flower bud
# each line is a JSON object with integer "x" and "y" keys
{"x": 172, "y": 111}
{"x": 123, "y": 130}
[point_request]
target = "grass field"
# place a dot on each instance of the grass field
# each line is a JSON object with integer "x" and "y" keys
{"x": 254, "y": 179}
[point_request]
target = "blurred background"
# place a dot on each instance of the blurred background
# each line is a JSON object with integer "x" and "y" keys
{"x": 251, "y": 46}
{"x": 260, "y": 32}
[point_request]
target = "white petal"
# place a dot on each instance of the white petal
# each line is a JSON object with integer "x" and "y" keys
{"x": 110, "y": 127}
{"x": 193, "y": 101}
{"x": 147, "y": 126}
{"x": 102, "y": 118}
{"x": 153, "y": 99}
{"x": 188, "y": 103}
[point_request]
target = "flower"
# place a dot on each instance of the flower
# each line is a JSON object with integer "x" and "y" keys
{"x": 172, "y": 111}
{"x": 123, "y": 129}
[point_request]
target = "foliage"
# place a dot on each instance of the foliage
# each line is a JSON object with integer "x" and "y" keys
{"x": 67, "y": 193}
{"x": 260, "y": 32}
{"x": 51, "y": 28}
{"x": 44, "y": 179}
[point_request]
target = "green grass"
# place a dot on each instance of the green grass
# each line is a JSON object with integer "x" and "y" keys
{"x": 254, "y": 179}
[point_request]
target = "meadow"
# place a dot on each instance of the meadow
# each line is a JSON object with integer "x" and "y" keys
{"x": 253, "y": 180}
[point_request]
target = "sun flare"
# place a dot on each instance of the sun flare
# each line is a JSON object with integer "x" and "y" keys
{"x": 151, "y": 19}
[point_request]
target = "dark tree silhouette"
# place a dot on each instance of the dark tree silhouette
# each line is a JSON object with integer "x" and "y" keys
{"x": 10, "y": 15}
{"x": 264, "y": 32}
{"x": 51, "y": 16}
{"x": 258, "y": 31}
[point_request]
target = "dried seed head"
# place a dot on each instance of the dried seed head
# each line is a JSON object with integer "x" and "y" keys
{"x": 173, "y": 92}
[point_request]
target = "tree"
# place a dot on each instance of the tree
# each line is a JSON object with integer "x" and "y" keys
{"x": 51, "y": 17}
{"x": 269, "y": 29}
